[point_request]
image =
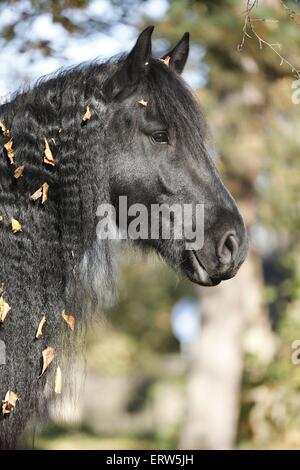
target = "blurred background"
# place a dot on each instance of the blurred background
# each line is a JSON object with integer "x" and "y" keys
{"x": 172, "y": 365}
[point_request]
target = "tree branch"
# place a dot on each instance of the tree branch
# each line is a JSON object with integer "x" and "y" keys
{"x": 249, "y": 32}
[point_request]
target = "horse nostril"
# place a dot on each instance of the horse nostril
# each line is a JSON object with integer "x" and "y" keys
{"x": 228, "y": 248}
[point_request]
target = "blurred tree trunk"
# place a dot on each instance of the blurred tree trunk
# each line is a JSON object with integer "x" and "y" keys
{"x": 216, "y": 368}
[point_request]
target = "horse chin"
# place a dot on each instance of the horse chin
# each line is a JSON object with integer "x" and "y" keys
{"x": 199, "y": 275}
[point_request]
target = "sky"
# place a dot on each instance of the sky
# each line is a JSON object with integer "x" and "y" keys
{"x": 22, "y": 68}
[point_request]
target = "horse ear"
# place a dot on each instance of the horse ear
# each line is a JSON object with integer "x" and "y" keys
{"x": 179, "y": 54}
{"x": 132, "y": 68}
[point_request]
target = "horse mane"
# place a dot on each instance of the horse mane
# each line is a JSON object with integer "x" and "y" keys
{"x": 45, "y": 256}
{"x": 56, "y": 255}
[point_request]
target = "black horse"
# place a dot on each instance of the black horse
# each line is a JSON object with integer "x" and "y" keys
{"x": 81, "y": 138}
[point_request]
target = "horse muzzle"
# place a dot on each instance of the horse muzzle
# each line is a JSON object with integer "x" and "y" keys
{"x": 229, "y": 255}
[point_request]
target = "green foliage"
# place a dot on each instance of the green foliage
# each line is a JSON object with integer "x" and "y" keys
{"x": 138, "y": 329}
{"x": 144, "y": 307}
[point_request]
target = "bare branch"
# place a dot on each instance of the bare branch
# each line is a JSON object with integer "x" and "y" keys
{"x": 291, "y": 13}
{"x": 249, "y": 32}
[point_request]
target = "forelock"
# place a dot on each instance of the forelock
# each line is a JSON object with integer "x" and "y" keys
{"x": 170, "y": 97}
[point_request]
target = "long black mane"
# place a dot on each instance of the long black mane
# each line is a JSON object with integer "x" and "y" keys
{"x": 55, "y": 263}
{"x": 40, "y": 265}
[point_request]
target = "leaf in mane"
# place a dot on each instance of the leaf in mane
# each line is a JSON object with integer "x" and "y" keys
{"x": 69, "y": 319}
{"x": 143, "y": 102}
{"x": 48, "y": 157}
{"x": 10, "y": 151}
{"x": 19, "y": 171}
{"x": 45, "y": 192}
{"x": 166, "y": 60}
{"x": 15, "y": 226}
{"x": 42, "y": 192}
{"x": 5, "y": 132}
{"x": 39, "y": 332}
{"x": 87, "y": 115}
{"x": 9, "y": 402}
{"x": 57, "y": 386}
{"x": 48, "y": 356}
{"x": 4, "y": 309}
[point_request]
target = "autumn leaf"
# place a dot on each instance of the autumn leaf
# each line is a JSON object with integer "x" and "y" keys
{"x": 87, "y": 115}
{"x": 166, "y": 60}
{"x": 69, "y": 319}
{"x": 45, "y": 192}
{"x": 4, "y": 309}
{"x": 38, "y": 194}
{"x": 39, "y": 332}
{"x": 57, "y": 386}
{"x": 10, "y": 151}
{"x": 48, "y": 356}
{"x": 9, "y": 402}
{"x": 19, "y": 172}
{"x": 48, "y": 157}
{"x": 5, "y": 131}
{"x": 143, "y": 102}
{"x": 15, "y": 226}
{"x": 42, "y": 192}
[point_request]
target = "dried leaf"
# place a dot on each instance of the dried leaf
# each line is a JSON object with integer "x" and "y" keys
{"x": 9, "y": 402}
{"x": 42, "y": 192}
{"x": 15, "y": 226}
{"x": 57, "y": 387}
{"x": 1, "y": 218}
{"x": 87, "y": 115}
{"x": 166, "y": 60}
{"x": 48, "y": 356}
{"x": 5, "y": 131}
{"x": 38, "y": 194}
{"x": 4, "y": 309}
{"x": 19, "y": 172}
{"x": 10, "y": 151}
{"x": 48, "y": 157}
{"x": 39, "y": 332}
{"x": 69, "y": 319}
{"x": 45, "y": 192}
{"x": 143, "y": 102}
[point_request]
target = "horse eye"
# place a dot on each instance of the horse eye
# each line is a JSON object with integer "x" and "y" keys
{"x": 161, "y": 137}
